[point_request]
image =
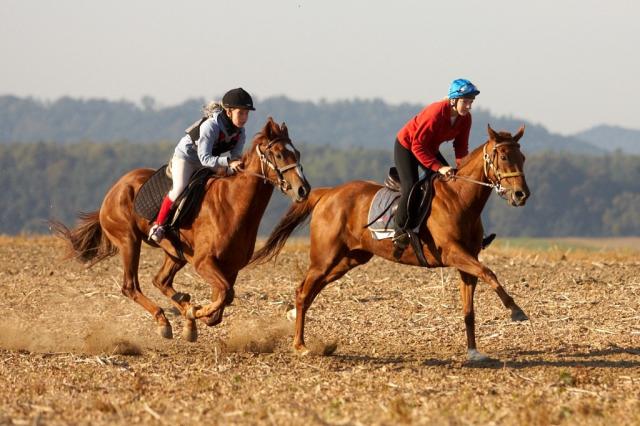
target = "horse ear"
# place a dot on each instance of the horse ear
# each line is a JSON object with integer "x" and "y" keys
{"x": 269, "y": 128}
{"x": 519, "y": 134}
{"x": 492, "y": 134}
{"x": 284, "y": 130}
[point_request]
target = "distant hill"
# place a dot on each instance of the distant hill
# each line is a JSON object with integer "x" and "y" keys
{"x": 341, "y": 124}
{"x": 612, "y": 138}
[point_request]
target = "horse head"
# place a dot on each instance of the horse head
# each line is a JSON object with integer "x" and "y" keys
{"x": 280, "y": 161}
{"x": 504, "y": 166}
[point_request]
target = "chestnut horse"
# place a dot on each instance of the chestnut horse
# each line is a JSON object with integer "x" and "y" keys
{"x": 218, "y": 242}
{"x": 450, "y": 236}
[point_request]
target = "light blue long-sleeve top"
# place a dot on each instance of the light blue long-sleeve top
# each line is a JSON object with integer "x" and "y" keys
{"x": 214, "y": 140}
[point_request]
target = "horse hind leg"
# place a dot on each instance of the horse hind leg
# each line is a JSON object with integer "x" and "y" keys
{"x": 316, "y": 279}
{"x": 164, "y": 282}
{"x": 131, "y": 286}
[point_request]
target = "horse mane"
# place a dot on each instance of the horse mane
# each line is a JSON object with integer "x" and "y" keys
{"x": 503, "y": 136}
{"x": 271, "y": 130}
{"x": 470, "y": 156}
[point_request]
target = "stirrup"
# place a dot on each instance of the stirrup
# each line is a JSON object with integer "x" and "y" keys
{"x": 400, "y": 241}
{"x": 156, "y": 233}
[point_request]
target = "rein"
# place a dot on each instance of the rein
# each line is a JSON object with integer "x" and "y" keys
{"x": 281, "y": 183}
{"x": 489, "y": 164}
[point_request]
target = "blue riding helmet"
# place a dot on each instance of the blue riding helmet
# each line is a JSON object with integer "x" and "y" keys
{"x": 462, "y": 88}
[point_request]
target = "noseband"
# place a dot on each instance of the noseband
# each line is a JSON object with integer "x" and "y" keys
{"x": 281, "y": 183}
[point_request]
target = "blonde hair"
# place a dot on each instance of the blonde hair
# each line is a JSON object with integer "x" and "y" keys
{"x": 212, "y": 107}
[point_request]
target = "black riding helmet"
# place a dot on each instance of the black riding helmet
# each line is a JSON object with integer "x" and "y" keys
{"x": 238, "y": 98}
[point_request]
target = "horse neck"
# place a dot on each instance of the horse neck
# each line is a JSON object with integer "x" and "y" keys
{"x": 252, "y": 189}
{"x": 472, "y": 195}
{"x": 248, "y": 194}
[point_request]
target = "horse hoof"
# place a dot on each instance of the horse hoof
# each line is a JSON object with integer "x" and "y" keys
{"x": 212, "y": 320}
{"x": 291, "y": 314}
{"x": 329, "y": 349}
{"x": 165, "y": 331}
{"x": 181, "y": 297}
{"x": 474, "y": 356}
{"x": 301, "y": 351}
{"x": 190, "y": 332}
{"x": 519, "y": 315}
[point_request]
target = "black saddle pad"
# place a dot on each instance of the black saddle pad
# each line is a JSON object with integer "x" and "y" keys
{"x": 148, "y": 199}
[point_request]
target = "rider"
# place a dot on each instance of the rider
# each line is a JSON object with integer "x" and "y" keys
{"x": 221, "y": 130}
{"x": 418, "y": 142}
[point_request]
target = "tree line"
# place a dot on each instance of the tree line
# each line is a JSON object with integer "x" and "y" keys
{"x": 572, "y": 195}
{"x": 340, "y": 124}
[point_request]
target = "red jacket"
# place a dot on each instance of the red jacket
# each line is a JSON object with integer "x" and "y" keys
{"x": 423, "y": 134}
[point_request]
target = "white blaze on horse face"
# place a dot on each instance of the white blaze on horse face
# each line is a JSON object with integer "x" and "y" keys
{"x": 290, "y": 148}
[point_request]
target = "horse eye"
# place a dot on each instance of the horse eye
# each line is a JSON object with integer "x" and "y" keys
{"x": 503, "y": 157}
{"x": 279, "y": 156}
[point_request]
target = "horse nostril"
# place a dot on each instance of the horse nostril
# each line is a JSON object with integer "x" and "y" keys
{"x": 520, "y": 195}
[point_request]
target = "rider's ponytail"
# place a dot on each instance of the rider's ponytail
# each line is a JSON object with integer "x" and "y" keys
{"x": 211, "y": 108}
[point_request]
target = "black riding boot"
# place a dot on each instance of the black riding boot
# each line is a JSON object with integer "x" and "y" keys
{"x": 401, "y": 240}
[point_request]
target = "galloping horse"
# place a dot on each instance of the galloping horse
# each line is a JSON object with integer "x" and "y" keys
{"x": 450, "y": 236}
{"x": 218, "y": 242}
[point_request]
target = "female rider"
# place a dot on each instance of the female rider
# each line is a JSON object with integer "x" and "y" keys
{"x": 222, "y": 131}
{"x": 418, "y": 142}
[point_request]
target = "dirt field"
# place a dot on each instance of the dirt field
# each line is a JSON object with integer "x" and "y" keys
{"x": 73, "y": 350}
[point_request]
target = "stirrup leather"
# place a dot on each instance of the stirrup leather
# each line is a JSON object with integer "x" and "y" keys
{"x": 402, "y": 241}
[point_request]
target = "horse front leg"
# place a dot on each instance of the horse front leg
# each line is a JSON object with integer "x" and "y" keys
{"x": 470, "y": 270}
{"x": 221, "y": 289}
{"x": 467, "y": 289}
{"x": 216, "y": 317}
{"x": 463, "y": 261}
{"x": 164, "y": 282}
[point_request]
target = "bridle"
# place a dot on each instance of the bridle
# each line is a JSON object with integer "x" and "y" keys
{"x": 489, "y": 164}
{"x": 281, "y": 183}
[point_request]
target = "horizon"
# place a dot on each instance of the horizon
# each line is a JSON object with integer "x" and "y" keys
{"x": 560, "y": 65}
{"x": 156, "y": 106}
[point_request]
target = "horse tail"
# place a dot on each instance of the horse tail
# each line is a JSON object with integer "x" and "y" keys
{"x": 296, "y": 216}
{"x": 87, "y": 243}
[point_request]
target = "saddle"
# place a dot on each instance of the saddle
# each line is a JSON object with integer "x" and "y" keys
{"x": 381, "y": 218}
{"x": 149, "y": 198}
{"x": 384, "y": 203}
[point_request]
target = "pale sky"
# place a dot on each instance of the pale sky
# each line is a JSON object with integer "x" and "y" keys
{"x": 566, "y": 64}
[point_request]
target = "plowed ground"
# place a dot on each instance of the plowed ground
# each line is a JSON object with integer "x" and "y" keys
{"x": 74, "y": 350}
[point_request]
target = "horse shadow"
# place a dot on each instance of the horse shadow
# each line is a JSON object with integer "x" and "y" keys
{"x": 395, "y": 361}
{"x": 590, "y": 358}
